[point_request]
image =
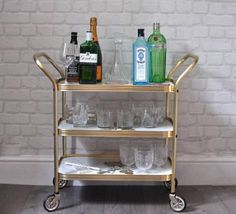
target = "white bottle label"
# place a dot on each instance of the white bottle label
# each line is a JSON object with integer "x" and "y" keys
{"x": 88, "y": 58}
{"x": 141, "y": 70}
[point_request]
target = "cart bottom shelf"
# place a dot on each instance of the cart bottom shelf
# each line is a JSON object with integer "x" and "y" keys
{"x": 103, "y": 169}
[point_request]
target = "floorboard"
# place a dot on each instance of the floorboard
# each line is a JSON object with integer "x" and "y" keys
{"x": 21, "y": 199}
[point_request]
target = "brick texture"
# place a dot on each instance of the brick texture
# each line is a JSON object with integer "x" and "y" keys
{"x": 207, "y": 115}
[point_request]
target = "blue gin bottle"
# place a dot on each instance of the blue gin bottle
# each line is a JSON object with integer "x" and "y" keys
{"x": 141, "y": 67}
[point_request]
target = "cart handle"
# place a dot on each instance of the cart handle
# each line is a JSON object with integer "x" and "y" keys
{"x": 187, "y": 70}
{"x": 37, "y": 57}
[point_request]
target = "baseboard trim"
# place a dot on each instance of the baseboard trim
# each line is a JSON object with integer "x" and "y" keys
{"x": 191, "y": 170}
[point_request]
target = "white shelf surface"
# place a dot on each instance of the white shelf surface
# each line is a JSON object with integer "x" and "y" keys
{"x": 100, "y": 163}
{"x": 166, "y": 126}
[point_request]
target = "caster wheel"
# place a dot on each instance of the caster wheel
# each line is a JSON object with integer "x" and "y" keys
{"x": 167, "y": 184}
{"x": 51, "y": 203}
{"x": 62, "y": 183}
{"x": 177, "y": 203}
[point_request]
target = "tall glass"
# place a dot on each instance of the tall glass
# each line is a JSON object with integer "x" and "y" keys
{"x": 144, "y": 156}
{"x": 160, "y": 154}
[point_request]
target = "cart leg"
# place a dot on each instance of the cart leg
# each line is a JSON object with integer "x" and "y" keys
{"x": 174, "y": 144}
{"x": 177, "y": 203}
{"x": 64, "y": 139}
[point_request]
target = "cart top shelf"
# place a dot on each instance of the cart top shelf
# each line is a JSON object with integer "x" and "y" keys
{"x": 101, "y": 87}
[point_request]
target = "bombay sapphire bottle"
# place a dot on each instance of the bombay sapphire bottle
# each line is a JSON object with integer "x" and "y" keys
{"x": 140, "y": 60}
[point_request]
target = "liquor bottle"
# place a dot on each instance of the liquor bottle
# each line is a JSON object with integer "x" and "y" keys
{"x": 88, "y": 60}
{"x": 93, "y": 29}
{"x": 157, "y": 45}
{"x": 72, "y": 58}
{"x": 140, "y": 60}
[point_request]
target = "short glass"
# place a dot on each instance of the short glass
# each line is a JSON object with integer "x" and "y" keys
{"x": 68, "y": 114}
{"x": 144, "y": 156}
{"x": 125, "y": 116}
{"x": 105, "y": 115}
{"x": 80, "y": 115}
{"x": 138, "y": 115}
{"x": 149, "y": 116}
{"x": 160, "y": 116}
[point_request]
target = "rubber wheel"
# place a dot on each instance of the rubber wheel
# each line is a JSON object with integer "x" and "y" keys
{"x": 178, "y": 205}
{"x": 167, "y": 184}
{"x": 51, "y": 203}
{"x": 62, "y": 183}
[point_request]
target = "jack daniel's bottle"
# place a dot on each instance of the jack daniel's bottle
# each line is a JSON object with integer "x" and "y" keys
{"x": 73, "y": 58}
{"x": 88, "y": 60}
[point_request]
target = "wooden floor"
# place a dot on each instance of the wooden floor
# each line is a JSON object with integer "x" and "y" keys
{"x": 16, "y": 199}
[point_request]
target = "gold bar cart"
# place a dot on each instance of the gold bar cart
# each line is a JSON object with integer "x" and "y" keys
{"x": 167, "y": 131}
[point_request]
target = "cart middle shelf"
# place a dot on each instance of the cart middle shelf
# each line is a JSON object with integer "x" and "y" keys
{"x": 163, "y": 130}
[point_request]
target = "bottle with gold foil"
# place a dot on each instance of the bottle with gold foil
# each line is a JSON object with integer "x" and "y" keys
{"x": 93, "y": 29}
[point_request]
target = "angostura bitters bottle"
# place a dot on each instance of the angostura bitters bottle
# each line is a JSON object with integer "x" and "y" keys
{"x": 73, "y": 67}
{"x": 93, "y": 29}
{"x": 157, "y": 45}
{"x": 140, "y": 60}
{"x": 88, "y": 60}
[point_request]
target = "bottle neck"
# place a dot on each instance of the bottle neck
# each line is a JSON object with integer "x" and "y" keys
{"x": 93, "y": 29}
{"x": 156, "y": 28}
{"x": 89, "y": 36}
{"x": 74, "y": 40}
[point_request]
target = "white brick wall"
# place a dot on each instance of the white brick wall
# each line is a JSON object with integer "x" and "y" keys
{"x": 206, "y": 28}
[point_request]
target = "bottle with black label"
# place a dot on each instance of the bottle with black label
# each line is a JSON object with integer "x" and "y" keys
{"x": 88, "y": 60}
{"x": 73, "y": 60}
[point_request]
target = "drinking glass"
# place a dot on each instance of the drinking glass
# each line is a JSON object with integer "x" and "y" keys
{"x": 149, "y": 116}
{"x": 144, "y": 156}
{"x": 160, "y": 154}
{"x": 138, "y": 115}
{"x": 68, "y": 114}
{"x": 127, "y": 154}
{"x": 125, "y": 116}
{"x": 80, "y": 115}
{"x": 68, "y": 55}
{"x": 105, "y": 117}
{"x": 117, "y": 73}
{"x": 160, "y": 115}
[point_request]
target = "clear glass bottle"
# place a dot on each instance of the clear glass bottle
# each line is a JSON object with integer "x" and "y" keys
{"x": 157, "y": 45}
{"x": 88, "y": 60}
{"x": 117, "y": 73}
{"x": 140, "y": 60}
{"x": 93, "y": 29}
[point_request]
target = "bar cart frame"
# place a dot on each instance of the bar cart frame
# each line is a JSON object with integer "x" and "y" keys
{"x": 171, "y": 86}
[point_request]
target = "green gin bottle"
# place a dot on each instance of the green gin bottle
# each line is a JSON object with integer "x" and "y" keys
{"x": 88, "y": 60}
{"x": 157, "y": 45}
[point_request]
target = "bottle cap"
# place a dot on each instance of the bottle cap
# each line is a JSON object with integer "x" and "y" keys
{"x": 89, "y": 36}
{"x": 73, "y": 33}
{"x": 140, "y": 32}
{"x": 93, "y": 20}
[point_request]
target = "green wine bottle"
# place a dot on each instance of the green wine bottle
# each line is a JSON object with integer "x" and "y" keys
{"x": 157, "y": 45}
{"x": 88, "y": 60}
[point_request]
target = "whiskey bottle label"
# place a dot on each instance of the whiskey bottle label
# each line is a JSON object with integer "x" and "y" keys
{"x": 141, "y": 68}
{"x": 88, "y": 58}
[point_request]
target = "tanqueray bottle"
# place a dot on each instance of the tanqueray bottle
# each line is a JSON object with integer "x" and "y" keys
{"x": 157, "y": 45}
